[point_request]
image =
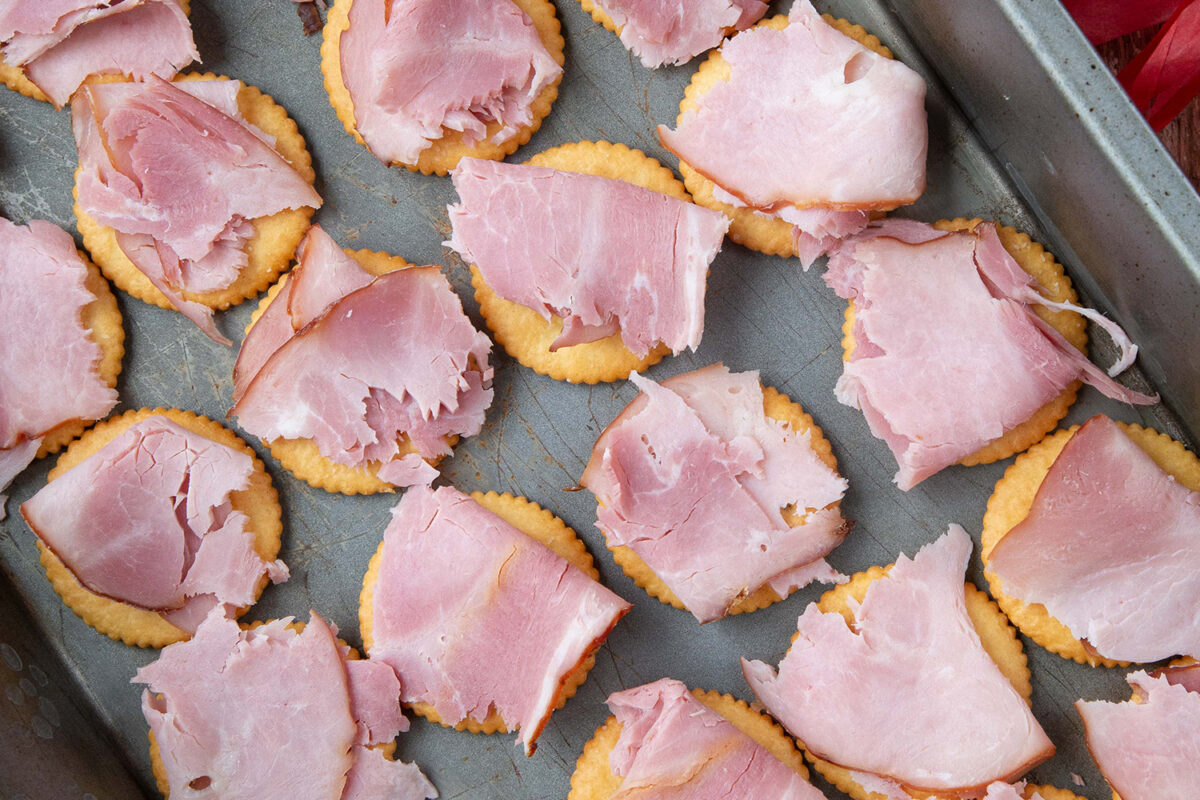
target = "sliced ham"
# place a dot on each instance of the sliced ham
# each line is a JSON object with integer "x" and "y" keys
{"x": 48, "y": 363}
{"x": 179, "y": 174}
{"x": 393, "y": 356}
{"x": 59, "y": 43}
{"x": 911, "y": 670}
{"x": 416, "y": 69}
{"x": 477, "y": 617}
{"x": 147, "y": 520}
{"x": 273, "y": 713}
{"x": 1111, "y": 548}
{"x": 948, "y": 352}
{"x": 694, "y": 477}
{"x": 808, "y": 119}
{"x": 673, "y": 746}
{"x": 674, "y": 31}
{"x": 1150, "y": 749}
{"x": 602, "y": 254}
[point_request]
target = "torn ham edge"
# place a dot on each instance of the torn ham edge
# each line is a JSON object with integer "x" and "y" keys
{"x": 754, "y": 137}
{"x": 604, "y": 255}
{"x": 179, "y": 174}
{"x": 720, "y": 535}
{"x": 270, "y": 691}
{"x": 357, "y": 362}
{"x": 479, "y": 618}
{"x": 890, "y": 271}
{"x": 147, "y": 520}
{"x": 48, "y": 362}
{"x": 662, "y": 32}
{"x": 1111, "y": 547}
{"x": 673, "y": 746}
{"x": 416, "y": 69}
{"x": 59, "y": 43}
{"x": 1147, "y": 748}
{"x": 911, "y": 669}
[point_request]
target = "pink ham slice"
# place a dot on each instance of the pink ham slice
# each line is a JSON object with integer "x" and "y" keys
{"x": 418, "y": 68}
{"x": 717, "y": 534}
{"x": 602, "y": 254}
{"x": 59, "y": 43}
{"x": 809, "y": 119}
{"x": 949, "y": 354}
{"x": 226, "y": 706}
{"x": 673, "y": 31}
{"x": 1147, "y": 750}
{"x": 912, "y": 671}
{"x": 478, "y": 617}
{"x": 673, "y": 746}
{"x": 48, "y": 363}
{"x": 394, "y": 356}
{"x": 1111, "y": 548}
{"x": 147, "y": 520}
{"x": 179, "y": 174}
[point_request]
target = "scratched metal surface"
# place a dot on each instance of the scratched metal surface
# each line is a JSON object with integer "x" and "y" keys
{"x": 762, "y": 313}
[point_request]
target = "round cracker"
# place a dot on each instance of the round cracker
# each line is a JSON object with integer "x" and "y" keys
{"x": 275, "y": 237}
{"x": 995, "y": 633}
{"x": 137, "y": 626}
{"x": 101, "y": 319}
{"x": 443, "y": 154}
{"x": 747, "y": 227}
{"x": 535, "y": 522}
{"x": 1055, "y": 285}
{"x": 523, "y": 332}
{"x": 593, "y": 778}
{"x": 301, "y": 457}
{"x": 1010, "y": 503}
{"x": 15, "y": 79}
{"x": 779, "y": 407}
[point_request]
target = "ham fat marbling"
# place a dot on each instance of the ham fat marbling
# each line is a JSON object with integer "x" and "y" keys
{"x": 694, "y": 477}
{"x": 675, "y": 31}
{"x": 912, "y": 671}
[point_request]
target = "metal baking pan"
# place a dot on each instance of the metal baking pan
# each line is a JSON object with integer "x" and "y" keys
{"x": 1026, "y": 127}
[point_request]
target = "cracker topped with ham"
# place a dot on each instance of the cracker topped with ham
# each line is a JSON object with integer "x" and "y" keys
{"x": 663, "y": 32}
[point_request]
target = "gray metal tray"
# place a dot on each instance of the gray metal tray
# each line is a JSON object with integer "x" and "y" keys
{"x": 1019, "y": 153}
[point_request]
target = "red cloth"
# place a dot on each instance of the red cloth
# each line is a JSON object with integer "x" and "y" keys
{"x": 1105, "y": 20}
{"x": 1165, "y": 75}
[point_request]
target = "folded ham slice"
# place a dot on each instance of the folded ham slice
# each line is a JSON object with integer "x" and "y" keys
{"x": 694, "y": 478}
{"x": 1147, "y": 750}
{"x": 58, "y": 43}
{"x": 674, "y": 31}
{"x": 179, "y": 174}
{"x": 478, "y": 617}
{"x": 418, "y": 68}
{"x": 48, "y": 363}
{"x": 356, "y": 362}
{"x": 1111, "y": 548}
{"x": 602, "y": 254}
{"x": 942, "y": 717}
{"x": 273, "y": 713}
{"x": 948, "y": 352}
{"x": 673, "y": 746}
{"x": 147, "y": 520}
{"x": 808, "y": 119}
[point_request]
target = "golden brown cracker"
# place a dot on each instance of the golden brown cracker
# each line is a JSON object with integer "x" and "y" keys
{"x": 1056, "y": 286}
{"x": 523, "y": 332}
{"x": 301, "y": 457}
{"x": 997, "y": 636}
{"x": 535, "y": 522}
{"x": 1049, "y": 792}
{"x": 777, "y": 406}
{"x": 443, "y": 154}
{"x": 101, "y": 319}
{"x": 275, "y": 237}
{"x": 593, "y": 778}
{"x": 137, "y": 626}
{"x": 1010, "y": 504}
{"x": 748, "y": 228}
